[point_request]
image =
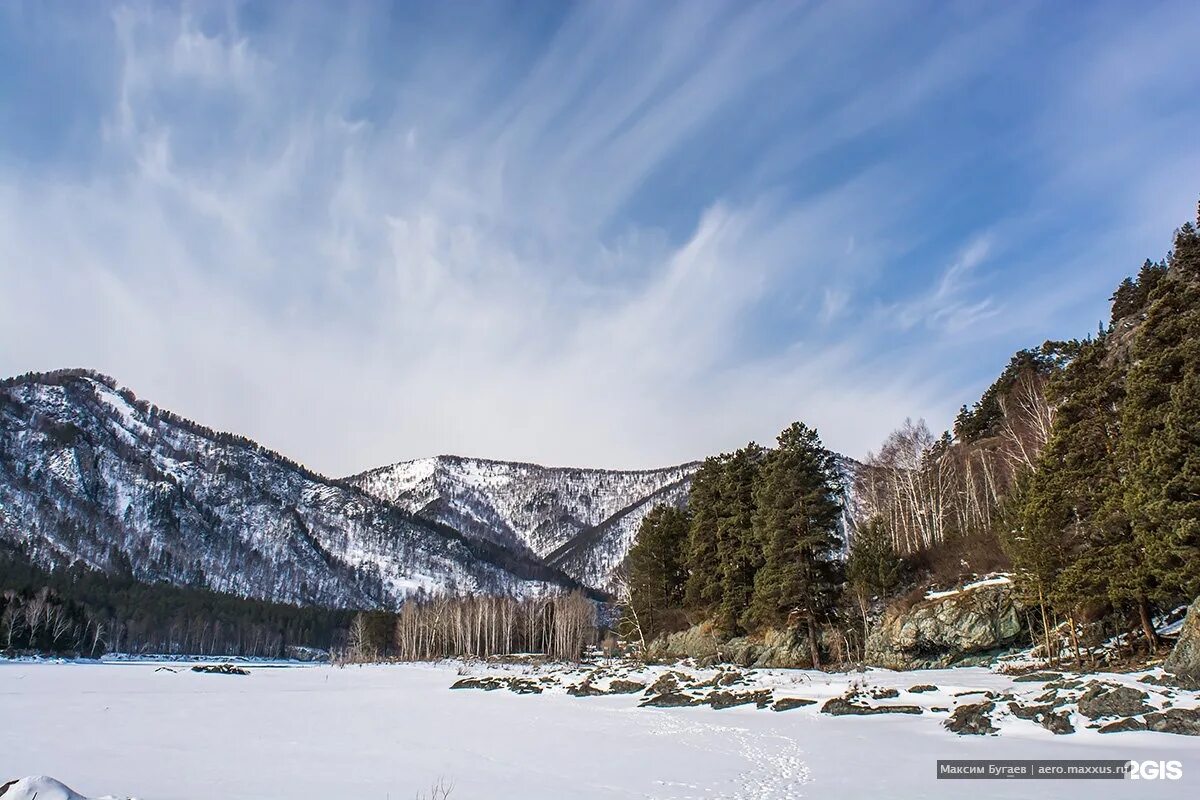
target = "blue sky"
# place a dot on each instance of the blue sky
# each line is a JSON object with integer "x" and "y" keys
{"x": 610, "y": 234}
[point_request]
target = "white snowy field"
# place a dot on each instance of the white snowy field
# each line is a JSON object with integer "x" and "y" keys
{"x": 391, "y": 732}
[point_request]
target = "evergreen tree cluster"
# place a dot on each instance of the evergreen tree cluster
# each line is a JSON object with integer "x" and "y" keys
{"x": 85, "y": 612}
{"x": 758, "y": 547}
{"x": 1109, "y": 518}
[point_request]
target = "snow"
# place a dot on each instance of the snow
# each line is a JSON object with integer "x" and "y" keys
{"x": 40, "y": 787}
{"x": 309, "y": 732}
{"x": 995, "y": 579}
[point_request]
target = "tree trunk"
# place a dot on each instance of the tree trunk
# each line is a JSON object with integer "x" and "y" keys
{"x": 1147, "y": 625}
{"x": 1074, "y": 639}
{"x": 812, "y": 641}
{"x": 1045, "y": 626}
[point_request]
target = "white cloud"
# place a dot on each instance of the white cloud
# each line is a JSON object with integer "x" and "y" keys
{"x": 357, "y": 263}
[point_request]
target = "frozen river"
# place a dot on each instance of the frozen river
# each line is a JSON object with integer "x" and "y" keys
{"x": 391, "y": 732}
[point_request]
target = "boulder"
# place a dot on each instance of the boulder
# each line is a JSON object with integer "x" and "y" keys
{"x": 220, "y": 669}
{"x": 620, "y": 686}
{"x": 1108, "y": 700}
{"x": 788, "y": 703}
{"x": 487, "y": 684}
{"x": 960, "y": 628}
{"x": 1123, "y": 725}
{"x": 921, "y": 688}
{"x": 1183, "y": 721}
{"x": 1184, "y": 660}
{"x": 1038, "y": 677}
{"x": 585, "y": 689}
{"x": 844, "y": 706}
{"x": 721, "y": 699}
{"x": 1044, "y": 715}
{"x": 672, "y": 700}
{"x": 972, "y": 720}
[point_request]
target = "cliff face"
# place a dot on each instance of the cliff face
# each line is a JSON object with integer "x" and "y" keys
{"x": 947, "y": 628}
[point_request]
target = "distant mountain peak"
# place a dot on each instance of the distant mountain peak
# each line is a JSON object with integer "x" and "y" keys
{"x": 531, "y": 508}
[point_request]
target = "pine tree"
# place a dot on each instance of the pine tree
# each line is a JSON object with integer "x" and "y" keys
{"x": 657, "y": 570}
{"x": 703, "y": 588}
{"x": 1160, "y": 441}
{"x": 796, "y": 522}
{"x": 872, "y": 568}
{"x": 738, "y": 551}
{"x": 1067, "y": 512}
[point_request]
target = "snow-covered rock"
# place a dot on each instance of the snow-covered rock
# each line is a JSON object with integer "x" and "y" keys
{"x": 39, "y": 787}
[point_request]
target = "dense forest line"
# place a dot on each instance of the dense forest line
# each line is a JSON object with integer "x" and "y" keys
{"x": 80, "y": 611}
{"x": 1078, "y": 470}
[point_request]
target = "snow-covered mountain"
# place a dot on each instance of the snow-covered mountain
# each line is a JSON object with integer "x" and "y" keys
{"x": 89, "y": 473}
{"x": 580, "y": 520}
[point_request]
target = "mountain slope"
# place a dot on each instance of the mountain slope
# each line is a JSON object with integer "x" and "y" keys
{"x": 580, "y": 520}
{"x": 89, "y": 473}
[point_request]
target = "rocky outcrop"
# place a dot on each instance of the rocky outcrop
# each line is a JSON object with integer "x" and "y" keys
{"x": 1184, "y": 660}
{"x": 961, "y": 628}
{"x": 698, "y": 642}
{"x": 774, "y": 649}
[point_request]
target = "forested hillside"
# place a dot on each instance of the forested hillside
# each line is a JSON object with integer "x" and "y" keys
{"x": 83, "y": 611}
{"x": 1078, "y": 470}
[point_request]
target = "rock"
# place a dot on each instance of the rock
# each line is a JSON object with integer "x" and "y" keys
{"x": 1038, "y": 677}
{"x": 788, "y": 703}
{"x": 728, "y": 678}
{"x": 947, "y": 630}
{"x": 487, "y": 684}
{"x": 38, "y": 787}
{"x": 972, "y": 720}
{"x": 1172, "y": 681}
{"x": 620, "y": 686}
{"x": 667, "y": 683}
{"x": 671, "y": 700}
{"x": 1122, "y": 725}
{"x": 1183, "y": 721}
{"x": 1108, "y": 700}
{"x": 524, "y": 686}
{"x": 585, "y": 689}
{"x": 1027, "y": 712}
{"x": 1184, "y": 661}
{"x": 921, "y": 688}
{"x": 220, "y": 669}
{"x": 843, "y": 706}
{"x": 719, "y": 700}
{"x": 1057, "y": 723}
{"x": 699, "y": 642}
{"x": 939, "y": 709}
{"x": 884, "y": 694}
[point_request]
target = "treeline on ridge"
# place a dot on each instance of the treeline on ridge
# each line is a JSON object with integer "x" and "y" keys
{"x": 85, "y": 612}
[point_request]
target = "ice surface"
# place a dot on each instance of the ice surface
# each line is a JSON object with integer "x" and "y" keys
{"x": 390, "y": 732}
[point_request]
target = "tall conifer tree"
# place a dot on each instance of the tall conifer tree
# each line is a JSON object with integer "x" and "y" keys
{"x": 796, "y": 522}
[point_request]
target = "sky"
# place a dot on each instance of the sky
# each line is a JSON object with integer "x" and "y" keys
{"x": 612, "y": 234}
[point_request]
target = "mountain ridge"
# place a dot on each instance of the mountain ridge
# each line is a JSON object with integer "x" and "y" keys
{"x": 90, "y": 473}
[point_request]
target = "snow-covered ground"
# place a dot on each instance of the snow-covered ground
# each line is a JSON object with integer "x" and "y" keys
{"x": 391, "y": 732}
